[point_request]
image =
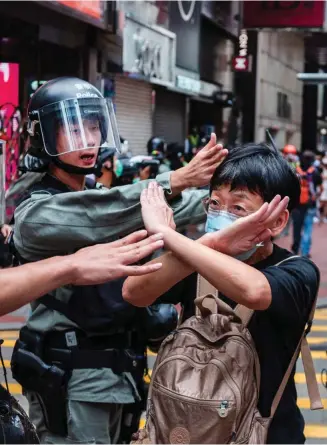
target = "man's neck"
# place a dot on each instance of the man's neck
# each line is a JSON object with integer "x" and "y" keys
{"x": 74, "y": 182}
{"x": 262, "y": 253}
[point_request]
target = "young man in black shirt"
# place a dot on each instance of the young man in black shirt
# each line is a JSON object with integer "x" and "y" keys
{"x": 238, "y": 257}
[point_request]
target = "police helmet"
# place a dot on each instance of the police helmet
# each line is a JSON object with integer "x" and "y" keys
{"x": 105, "y": 154}
{"x": 15, "y": 424}
{"x": 79, "y": 111}
{"x": 33, "y": 164}
{"x": 156, "y": 144}
{"x": 160, "y": 321}
{"x": 289, "y": 149}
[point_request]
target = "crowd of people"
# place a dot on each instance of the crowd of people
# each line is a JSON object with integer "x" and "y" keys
{"x": 312, "y": 207}
{"x": 105, "y": 264}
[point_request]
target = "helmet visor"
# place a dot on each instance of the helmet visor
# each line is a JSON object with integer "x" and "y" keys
{"x": 78, "y": 124}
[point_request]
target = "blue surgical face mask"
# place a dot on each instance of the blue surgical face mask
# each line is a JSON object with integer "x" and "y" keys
{"x": 219, "y": 219}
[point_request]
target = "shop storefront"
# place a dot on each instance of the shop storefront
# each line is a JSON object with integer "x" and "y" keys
{"x": 148, "y": 67}
{"x": 169, "y": 118}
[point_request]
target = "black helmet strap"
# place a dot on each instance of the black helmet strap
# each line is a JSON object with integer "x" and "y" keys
{"x": 77, "y": 170}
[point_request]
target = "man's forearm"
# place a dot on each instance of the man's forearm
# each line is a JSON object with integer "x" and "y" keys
{"x": 144, "y": 290}
{"x": 236, "y": 280}
{"x": 23, "y": 284}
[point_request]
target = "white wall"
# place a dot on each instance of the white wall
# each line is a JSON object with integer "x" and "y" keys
{"x": 280, "y": 58}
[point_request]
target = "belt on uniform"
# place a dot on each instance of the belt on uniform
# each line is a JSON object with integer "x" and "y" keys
{"x": 76, "y": 338}
{"x": 73, "y": 349}
{"x": 118, "y": 360}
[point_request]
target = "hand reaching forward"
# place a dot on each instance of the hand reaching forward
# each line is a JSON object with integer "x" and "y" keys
{"x": 156, "y": 213}
{"x": 6, "y": 231}
{"x": 204, "y": 164}
{"x": 245, "y": 233}
{"x": 105, "y": 262}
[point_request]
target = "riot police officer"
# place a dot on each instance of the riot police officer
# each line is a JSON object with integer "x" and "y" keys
{"x": 77, "y": 354}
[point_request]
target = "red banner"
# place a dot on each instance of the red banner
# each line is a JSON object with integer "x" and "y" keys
{"x": 284, "y": 14}
{"x": 91, "y": 8}
{"x": 10, "y": 117}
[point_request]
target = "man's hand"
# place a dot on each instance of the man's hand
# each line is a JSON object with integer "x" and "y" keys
{"x": 105, "y": 262}
{"x": 156, "y": 213}
{"x": 199, "y": 171}
{"x": 246, "y": 232}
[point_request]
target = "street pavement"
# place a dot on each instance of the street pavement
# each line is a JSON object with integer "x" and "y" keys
{"x": 316, "y": 421}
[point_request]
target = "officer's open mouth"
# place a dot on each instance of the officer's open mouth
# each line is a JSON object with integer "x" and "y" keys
{"x": 87, "y": 157}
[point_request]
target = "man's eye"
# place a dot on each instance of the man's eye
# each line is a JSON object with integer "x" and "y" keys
{"x": 95, "y": 127}
{"x": 214, "y": 204}
{"x": 239, "y": 210}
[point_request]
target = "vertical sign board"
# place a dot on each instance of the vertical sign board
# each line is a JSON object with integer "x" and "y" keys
{"x": 2, "y": 181}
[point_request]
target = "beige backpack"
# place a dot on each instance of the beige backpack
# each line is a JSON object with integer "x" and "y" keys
{"x": 205, "y": 383}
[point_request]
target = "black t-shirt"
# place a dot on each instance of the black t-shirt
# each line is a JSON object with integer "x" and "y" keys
{"x": 276, "y": 333}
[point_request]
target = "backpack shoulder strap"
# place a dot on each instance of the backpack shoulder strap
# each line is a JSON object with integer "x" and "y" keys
{"x": 315, "y": 400}
{"x": 204, "y": 288}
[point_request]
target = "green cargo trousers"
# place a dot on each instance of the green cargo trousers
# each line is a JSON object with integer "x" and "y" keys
{"x": 88, "y": 422}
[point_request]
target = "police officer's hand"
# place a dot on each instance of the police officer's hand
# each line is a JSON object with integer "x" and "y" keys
{"x": 245, "y": 233}
{"x": 199, "y": 171}
{"x": 6, "y": 231}
{"x": 105, "y": 262}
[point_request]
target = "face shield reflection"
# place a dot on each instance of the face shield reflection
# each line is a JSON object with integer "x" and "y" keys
{"x": 78, "y": 124}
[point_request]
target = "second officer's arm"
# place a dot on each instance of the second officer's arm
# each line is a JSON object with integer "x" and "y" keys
{"x": 48, "y": 225}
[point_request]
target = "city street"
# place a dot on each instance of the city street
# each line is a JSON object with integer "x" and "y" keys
{"x": 316, "y": 421}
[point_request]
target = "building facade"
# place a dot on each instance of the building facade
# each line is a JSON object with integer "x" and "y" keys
{"x": 279, "y": 95}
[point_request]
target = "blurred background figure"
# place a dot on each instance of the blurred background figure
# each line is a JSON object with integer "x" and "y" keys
{"x": 192, "y": 143}
{"x": 291, "y": 155}
{"x": 323, "y": 196}
{"x": 303, "y": 215}
{"x": 157, "y": 148}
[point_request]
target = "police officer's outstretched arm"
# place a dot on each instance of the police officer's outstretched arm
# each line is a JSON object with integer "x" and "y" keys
{"x": 48, "y": 225}
{"x": 92, "y": 265}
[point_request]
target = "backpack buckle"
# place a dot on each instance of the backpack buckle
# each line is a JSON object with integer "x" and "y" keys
{"x": 308, "y": 328}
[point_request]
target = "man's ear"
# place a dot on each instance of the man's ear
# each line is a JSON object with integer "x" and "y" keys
{"x": 280, "y": 223}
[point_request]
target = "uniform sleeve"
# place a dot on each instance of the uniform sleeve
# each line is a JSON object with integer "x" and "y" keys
{"x": 47, "y": 225}
{"x": 294, "y": 285}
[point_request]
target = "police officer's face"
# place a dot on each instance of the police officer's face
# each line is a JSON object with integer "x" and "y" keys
{"x": 80, "y": 156}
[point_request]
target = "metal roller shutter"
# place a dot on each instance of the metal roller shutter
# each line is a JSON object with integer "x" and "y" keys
{"x": 169, "y": 117}
{"x": 134, "y": 112}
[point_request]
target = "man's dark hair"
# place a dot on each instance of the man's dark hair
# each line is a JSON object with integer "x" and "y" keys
{"x": 261, "y": 169}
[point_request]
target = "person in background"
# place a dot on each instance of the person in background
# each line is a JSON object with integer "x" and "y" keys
{"x": 192, "y": 143}
{"x": 303, "y": 215}
{"x": 289, "y": 152}
{"x": 291, "y": 155}
{"x": 323, "y": 196}
{"x": 157, "y": 148}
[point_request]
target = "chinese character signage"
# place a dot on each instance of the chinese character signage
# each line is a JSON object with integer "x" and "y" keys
{"x": 284, "y": 14}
